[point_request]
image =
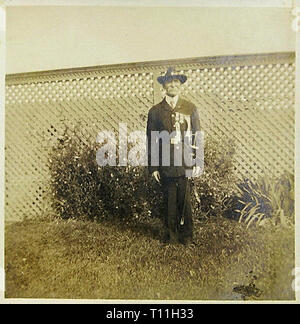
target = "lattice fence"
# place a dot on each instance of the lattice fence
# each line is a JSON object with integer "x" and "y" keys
{"x": 249, "y": 99}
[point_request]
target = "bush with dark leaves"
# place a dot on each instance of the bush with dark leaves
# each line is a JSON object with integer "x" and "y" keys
{"x": 269, "y": 200}
{"x": 214, "y": 190}
{"x": 82, "y": 189}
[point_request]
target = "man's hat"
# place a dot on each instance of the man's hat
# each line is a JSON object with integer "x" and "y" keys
{"x": 171, "y": 76}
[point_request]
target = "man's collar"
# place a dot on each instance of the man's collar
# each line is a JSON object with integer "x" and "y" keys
{"x": 165, "y": 104}
{"x": 172, "y": 99}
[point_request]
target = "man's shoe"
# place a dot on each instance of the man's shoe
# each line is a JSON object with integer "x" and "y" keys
{"x": 187, "y": 241}
{"x": 166, "y": 238}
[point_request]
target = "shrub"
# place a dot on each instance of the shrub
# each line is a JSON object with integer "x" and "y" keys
{"x": 82, "y": 189}
{"x": 128, "y": 191}
{"x": 213, "y": 192}
{"x": 268, "y": 201}
{"x": 75, "y": 179}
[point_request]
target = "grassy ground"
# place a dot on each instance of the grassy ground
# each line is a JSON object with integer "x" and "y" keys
{"x": 76, "y": 259}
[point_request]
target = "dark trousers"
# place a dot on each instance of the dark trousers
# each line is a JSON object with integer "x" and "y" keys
{"x": 178, "y": 212}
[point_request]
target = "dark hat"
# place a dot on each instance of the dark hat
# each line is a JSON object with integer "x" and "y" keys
{"x": 171, "y": 76}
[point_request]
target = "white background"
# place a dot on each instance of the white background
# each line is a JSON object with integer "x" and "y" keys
{"x": 45, "y": 38}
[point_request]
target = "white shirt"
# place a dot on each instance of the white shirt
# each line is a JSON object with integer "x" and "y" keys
{"x": 172, "y": 101}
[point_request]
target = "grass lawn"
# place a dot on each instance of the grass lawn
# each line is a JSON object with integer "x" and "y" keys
{"x": 114, "y": 260}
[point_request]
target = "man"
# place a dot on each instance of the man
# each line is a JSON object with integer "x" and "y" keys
{"x": 178, "y": 117}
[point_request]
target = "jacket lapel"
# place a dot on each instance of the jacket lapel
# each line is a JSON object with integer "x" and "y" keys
{"x": 165, "y": 105}
{"x": 179, "y": 104}
{"x": 166, "y": 112}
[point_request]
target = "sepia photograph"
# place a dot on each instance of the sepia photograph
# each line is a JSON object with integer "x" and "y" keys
{"x": 149, "y": 152}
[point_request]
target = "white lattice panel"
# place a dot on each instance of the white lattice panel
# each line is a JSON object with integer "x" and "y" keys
{"x": 249, "y": 99}
{"x": 252, "y": 105}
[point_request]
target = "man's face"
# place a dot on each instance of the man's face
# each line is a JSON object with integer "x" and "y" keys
{"x": 172, "y": 87}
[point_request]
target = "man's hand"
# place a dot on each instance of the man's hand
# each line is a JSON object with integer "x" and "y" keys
{"x": 197, "y": 171}
{"x": 156, "y": 176}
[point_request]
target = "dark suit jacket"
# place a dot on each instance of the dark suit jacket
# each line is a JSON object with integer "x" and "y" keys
{"x": 162, "y": 117}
